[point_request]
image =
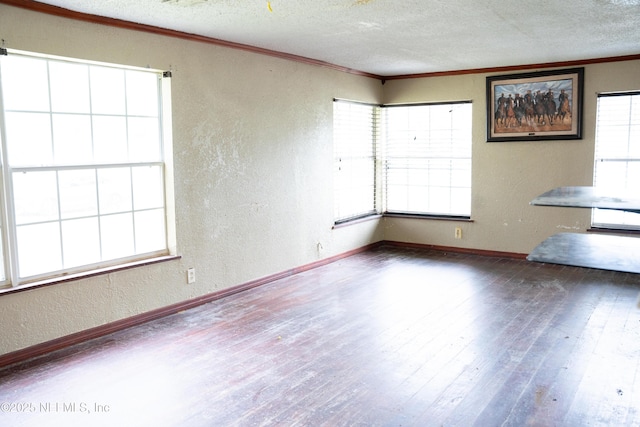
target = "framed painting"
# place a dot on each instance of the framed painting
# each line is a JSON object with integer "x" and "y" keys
{"x": 544, "y": 105}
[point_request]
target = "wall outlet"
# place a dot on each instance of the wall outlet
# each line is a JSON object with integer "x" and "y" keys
{"x": 458, "y": 233}
{"x": 191, "y": 275}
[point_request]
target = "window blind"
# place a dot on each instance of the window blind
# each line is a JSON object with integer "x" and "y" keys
{"x": 354, "y": 136}
{"x": 427, "y": 159}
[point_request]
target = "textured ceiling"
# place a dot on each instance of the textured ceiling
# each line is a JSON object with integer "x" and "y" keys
{"x": 398, "y": 37}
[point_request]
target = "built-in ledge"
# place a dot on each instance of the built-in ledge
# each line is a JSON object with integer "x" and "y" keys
{"x": 617, "y": 253}
{"x": 604, "y": 249}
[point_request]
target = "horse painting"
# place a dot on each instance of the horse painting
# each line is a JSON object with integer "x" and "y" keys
{"x": 540, "y": 105}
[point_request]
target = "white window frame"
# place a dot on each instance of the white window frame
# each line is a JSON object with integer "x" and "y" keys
{"x": 442, "y": 131}
{"x": 617, "y": 155}
{"x": 162, "y": 165}
{"x": 427, "y": 159}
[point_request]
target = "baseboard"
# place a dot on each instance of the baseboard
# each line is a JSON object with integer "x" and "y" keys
{"x": 454, "y": 249}
{"x": 47, "y": 347}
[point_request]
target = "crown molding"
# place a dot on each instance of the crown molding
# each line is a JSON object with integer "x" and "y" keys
{"x": 70, "y": 14}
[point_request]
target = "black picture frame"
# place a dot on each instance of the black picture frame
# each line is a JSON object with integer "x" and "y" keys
{"x": 519, "y": 107}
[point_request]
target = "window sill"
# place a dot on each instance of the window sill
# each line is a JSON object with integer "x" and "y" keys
{"x": 87, "y": 274}
{"x": 613, "y": 231}
{"x": 357, "y": 221}
{"x": 401, "y": 215}
{"x": 431, "y": 217}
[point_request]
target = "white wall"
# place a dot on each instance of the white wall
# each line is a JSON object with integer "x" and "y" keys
{"x": 253, "y": 157}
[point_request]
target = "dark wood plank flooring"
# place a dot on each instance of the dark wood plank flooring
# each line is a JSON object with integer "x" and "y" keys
{"x": 391, "y": 337}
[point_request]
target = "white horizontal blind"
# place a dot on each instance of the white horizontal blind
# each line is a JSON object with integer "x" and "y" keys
{"x": 427, "y": 159}
{"x": 83, "y": 163}
{"x": 617, "y": 154}
{"x": 354, "y": 142}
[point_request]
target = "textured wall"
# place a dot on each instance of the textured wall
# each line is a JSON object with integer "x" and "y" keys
{"x": 252, "y": 147}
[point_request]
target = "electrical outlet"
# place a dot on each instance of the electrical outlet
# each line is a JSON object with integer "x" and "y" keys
{"x": 458, "y": 233}
{"x": 191, "y": 275}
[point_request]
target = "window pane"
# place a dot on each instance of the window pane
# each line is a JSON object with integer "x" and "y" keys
{"x": 617, "y": 143}
{"x": 417, "y": 199}
{"x": 616, "y": 219}
{"x": 39, "y": 248}
{"x": 110, "y": 139}
{"x": 439, "y": 172}
{"x": 610, "y": 174}
{"x": 150, "y": 231}
{"x": 461, "y": 173}
{"x": 634, "y": 135}
{"x": 148, "y": 191}
{"x": 144, "y": 140}
{"x": 142, "y": 94}
{"x": 460, "y": 201}
{"x": 29, "y": 139}
{"x": 114, "y": 189}
{"x": 439, "y": 200}
{"x": 117, "y": 236}
{"x": 107, "y": 91}
{"x": 35, "y": 196}
{"x": 78, "y": 196}
{"x": 25, "y": 84}
{"x": 80, "y": 242}
{"x": 69, "y": 87}
{"x": 397, "y": 196}
{"x": 72, "y": 139}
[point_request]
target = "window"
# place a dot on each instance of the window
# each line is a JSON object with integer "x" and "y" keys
{"x": 617, "y": 154}
{"x": 354, "y": 134}
{"x": 83, "y": 165}
{"x": 428, "y": 159}
{"x": 424, "y": 154}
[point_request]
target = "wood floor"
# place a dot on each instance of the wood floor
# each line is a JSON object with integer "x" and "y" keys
{"x": 390, "y": 337}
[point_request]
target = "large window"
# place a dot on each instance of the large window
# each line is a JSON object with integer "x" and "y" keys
{"x": 617, "y": 155}
{"x": 354, "y": 135}
{"x": 83, "y": 165}
{"x": 428, "y": 159}
{"x": 420, "y": 156}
